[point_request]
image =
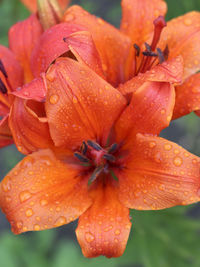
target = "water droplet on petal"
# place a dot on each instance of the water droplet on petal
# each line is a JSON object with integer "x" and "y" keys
{"x": 117, "y": 232}
{"x": 60, "y": 221}
{"x": 54, "y": 99}
{"x": 178, "y": 161}
{"x": 24, "y": 195}
{"x": 152, "y": 144}
{"x": 89, "y": 237}
{"x": 43, "y": 202}
{"x": 6, "y": 184}
{"x": 29, "y": 212}
{"x": 36, "y": 227}
{"x": 75, "y": 100}
{"x": 19, "y": 224}
{"x": 167, "y": 147}
{"x": 187, "y": 22}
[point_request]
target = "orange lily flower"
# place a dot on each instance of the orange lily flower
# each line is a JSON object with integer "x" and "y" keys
{"x": 106, "y": 159}
{"x": 129, "y": 56}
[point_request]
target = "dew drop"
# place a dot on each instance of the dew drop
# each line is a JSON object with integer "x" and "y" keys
{"x": 117, "y": 232}
{"x": 54, "y": 99}
{"x": 24, "y": 195}
{"x": 19, "y": 224}
{"x": 36, "y": 227}
{"x": 43, "y": 202}
{"x": 152, "y": 144}
{"x": 75, "y": 100}
{"x": 60, "y": 221}
{"x": 6, "y": 184}
{"x": 178, "y": 161}
{"x": 69, "y": 17}
{"x": 187, "y": 22}
{"x": 89, "y": 237}
{"x": 8, "y": 199}
{"x": 167, "y": 147}
{"x": 29, "y": 212}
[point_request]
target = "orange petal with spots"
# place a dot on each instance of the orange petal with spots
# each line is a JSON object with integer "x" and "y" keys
{"x": 30, "y": 131}
{"x": 149, "y": 111}
{"x": 104, "y": 228}
{"x": 112, "y": 45}
{"x": 41, "y": 192}
{"x": 45, "y": 53}
{"x": 182, "y": 35}
{"x": 32, "y": 4}
{"x": 12, "y": 68}
{"x": 187, "y": 96}
{"x": 168, "y": 71}
{"x": 23, "y": 36}
{"x": 35, "y": 90}
{"x": 5, "y": 134}
{"x": 80, "y": 103}
{"x": 82, "y": 46}
{"x": 159, "y": 174}
{"x": 138, "y": 17}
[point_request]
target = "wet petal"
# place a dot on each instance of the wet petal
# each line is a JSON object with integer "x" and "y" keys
{"x": 41, "y": 193}
{"x": 168, "y": 71}
{"x": 112, "y": 45}
{"x": 82, "y": 46}
{"x": 12, "y": 67}
{"x": 35, "y": 90}
{"x": 138, "y": 17}
{"x": 80, "y": 104}
{"x": 23, "y": 36}
{"x": 149, "y": 111}
{"x": 159, "y": 174}
{"x": 5, "y": 133}
{"x": 104, "y": 228}
{"x": 182, "y": 35}
{"x": 30, "y": 132}
{"x": 187, "y": 96}
{"x": 45, "y": 53}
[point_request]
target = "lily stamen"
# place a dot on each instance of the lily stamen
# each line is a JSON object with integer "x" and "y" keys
{"x": 3, "y": 88}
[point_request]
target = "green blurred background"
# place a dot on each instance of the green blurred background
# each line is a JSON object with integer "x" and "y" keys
{"x": 166, "y": 238}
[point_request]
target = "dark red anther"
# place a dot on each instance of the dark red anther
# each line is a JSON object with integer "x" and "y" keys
{"x": 160, "y": 55}
{"x": 166, "y": 52}
{"x": 137, "y": 50}
{"x": 109, "y": 157}
{"x": 84, "y": 148}
{"x": 95, "y": 174}
{"x": 159, "y": 24}
{"x": 94, "y": 145}
{"x": 3, "y": 88}
{"x": 81, "y": 157}
{"x": 3, "y": 70}
{"x": 148, "y": 47}
{"x": 149, "y": 54}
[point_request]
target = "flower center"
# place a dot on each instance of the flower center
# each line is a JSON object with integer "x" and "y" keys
{"x": 97, "y": 158}
{"x": 152, "y": 54}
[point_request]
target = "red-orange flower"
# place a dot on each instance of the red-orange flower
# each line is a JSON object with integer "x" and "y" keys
{"x": 129, "y": 56}
{"x": 106, "y": 159}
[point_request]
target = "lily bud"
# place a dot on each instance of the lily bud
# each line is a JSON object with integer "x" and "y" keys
{"x": 50, "y": 13}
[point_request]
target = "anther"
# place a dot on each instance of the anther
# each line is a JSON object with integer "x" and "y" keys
{"x": 160, "y": 55}
{"x": 95, "y": 174}
{"x": 148, "y": 47}
{"x": 109, "y": 157}
{"x": 3, "y": 88}
{"x": 137, "y": 49}
{"x": 84, "y": 148}
{"x": 81, "y": 157}
{"x": 113, "y": 148}
{"x": 166, "y": 52}
{"x": 3, "y": 70}
{"x": 149, "y": 54}
{"x": 94, "y": 145}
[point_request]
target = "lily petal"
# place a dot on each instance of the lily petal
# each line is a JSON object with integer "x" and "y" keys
{"x": 159, "y": 174}
{"x": 12, "y": 67}
{"x": 113, "y": 46}
{"x": 82, "y": 46}
{"x": 149, "y": 111}
{"x": 35, "y": 90}
{"x": 45, "y": 53}
{"x": 23, "y": 36}
{"x": 187, "y": 96}
{"x": 5, "y": 133}
{"x": 41, "y": 193}
{"x": 182, "y": 35}
{"x": 81, "y": 104}
{"x": 104, "y": 228}
{"x": 138, "y": 17}
{"x": 29, "y": 131}
{"x": 169, "y": 71}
